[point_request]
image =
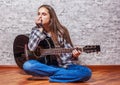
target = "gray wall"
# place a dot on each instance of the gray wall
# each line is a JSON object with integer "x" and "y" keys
{"x": 89, "y": 22}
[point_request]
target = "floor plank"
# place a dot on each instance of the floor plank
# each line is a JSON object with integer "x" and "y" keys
{"x": 101, "y": 76}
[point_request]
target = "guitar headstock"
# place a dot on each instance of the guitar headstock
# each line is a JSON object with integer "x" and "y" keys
{"x": 91, "y": 48}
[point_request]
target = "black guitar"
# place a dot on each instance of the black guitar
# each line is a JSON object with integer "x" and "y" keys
{"x": 45, "y": 48}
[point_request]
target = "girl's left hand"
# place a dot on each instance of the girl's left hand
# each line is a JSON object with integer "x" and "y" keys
{"x": 76, "y": 53}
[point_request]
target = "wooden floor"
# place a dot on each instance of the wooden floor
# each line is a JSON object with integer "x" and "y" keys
{"x": 106, "y": 75}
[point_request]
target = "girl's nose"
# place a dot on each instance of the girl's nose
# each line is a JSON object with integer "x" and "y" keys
{"x": 40, "y": 16}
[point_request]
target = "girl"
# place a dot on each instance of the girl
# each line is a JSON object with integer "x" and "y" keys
{"x": 59, "y": 68}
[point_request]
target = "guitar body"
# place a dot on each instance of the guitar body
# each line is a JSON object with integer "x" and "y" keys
{"x": 20, "y": 48}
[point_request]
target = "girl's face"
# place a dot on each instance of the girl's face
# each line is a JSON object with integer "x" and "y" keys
{"x": 43, "y": 16}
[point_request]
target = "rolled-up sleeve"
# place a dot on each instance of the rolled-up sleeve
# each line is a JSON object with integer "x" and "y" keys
{"x": 34, "y": 39}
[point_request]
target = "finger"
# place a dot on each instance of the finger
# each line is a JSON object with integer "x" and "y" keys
{"x": 38, "y": 20}
{"x": 74, "y": 51}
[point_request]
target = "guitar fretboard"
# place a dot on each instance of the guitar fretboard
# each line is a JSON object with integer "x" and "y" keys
{"x": 56, "y": 51}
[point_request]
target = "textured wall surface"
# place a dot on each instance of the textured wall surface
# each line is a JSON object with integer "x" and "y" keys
{"x": 89, "y": 22}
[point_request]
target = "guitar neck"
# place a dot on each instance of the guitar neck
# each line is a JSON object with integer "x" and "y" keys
{"x": 56, "y": 51}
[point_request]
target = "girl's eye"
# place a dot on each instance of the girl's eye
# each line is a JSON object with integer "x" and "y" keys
{"x": 44, "y": 14}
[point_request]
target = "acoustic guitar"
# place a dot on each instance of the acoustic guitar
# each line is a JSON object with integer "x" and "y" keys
{"x": 45, "y": 48}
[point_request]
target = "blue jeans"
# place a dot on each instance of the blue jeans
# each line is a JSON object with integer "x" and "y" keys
{"x": 73, "y": 73}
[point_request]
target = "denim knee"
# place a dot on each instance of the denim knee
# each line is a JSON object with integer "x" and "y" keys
{"x": 84, "y": 73}
{"x": 88, "y": 74}
{"x": 27, "y": 66}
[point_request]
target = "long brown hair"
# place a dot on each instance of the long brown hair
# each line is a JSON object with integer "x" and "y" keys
{"x": 55, "y": 25}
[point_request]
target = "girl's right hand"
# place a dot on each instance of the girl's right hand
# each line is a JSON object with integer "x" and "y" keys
{"x": 38, "y": 21}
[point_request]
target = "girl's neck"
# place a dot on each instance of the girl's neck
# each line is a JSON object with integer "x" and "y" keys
{"x": 47, "y": 29}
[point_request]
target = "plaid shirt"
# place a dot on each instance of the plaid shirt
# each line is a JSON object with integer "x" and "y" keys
{"x": 36, "y": 36}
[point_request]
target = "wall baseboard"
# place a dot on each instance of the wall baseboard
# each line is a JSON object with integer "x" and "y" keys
{"x": 95, "y": 67}
{"x": 9, "y": 66}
